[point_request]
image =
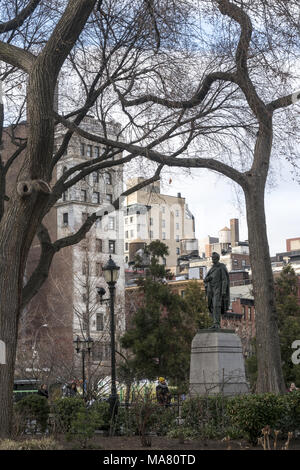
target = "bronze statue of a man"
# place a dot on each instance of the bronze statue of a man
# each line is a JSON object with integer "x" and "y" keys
{"x": 217, "y": 290}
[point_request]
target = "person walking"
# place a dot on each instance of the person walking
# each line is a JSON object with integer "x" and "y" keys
{"x": 43, "y": 391}
{"x": 163, "y": 394}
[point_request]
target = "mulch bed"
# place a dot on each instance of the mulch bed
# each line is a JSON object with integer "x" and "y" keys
{"x": 164, "y": 443}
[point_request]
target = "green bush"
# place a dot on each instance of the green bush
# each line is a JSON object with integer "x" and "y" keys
{"x": 146, "y": 416}
{"x": 126, "y": 424}
{"x": 103, "y": 411}
{"x": 251, "y": 413}
{"x": 64, "y": 411}
{"x": 204, "y": 413}
{"x": 47, "y": 443}
{"x": 184, "y": 432}
{"x": 84, "y": 424}
{"x": 164, "y": 419}
{"x": 32, "y": 413}
{"x": 289, "y": 420}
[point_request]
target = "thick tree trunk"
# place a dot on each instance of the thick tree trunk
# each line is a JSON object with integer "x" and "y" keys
{"x": 15, "y": 240}
{"x": 270, "y": 378}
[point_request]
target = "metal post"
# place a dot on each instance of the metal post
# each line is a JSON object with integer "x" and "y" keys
{"x": 83, "y": 372}
{"x": 113, "y": 398}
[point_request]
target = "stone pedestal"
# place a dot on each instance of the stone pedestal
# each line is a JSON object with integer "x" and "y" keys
{"x": 217, "y": 364}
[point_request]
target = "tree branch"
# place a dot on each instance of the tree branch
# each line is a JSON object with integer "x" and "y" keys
{"x": 284, "y": 101}
{"x": 195, "y": 100}
{"x": 158, "y": 157}
{"x": 20, "y": 18}
{"x": 16, "y": 57}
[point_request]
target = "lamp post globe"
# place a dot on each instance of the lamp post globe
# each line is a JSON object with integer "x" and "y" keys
{"x": 111, "y": 271}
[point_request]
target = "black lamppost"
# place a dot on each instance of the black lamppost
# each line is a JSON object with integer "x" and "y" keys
{"x": 83, "y": 346}
{"x": 111, "y": 274}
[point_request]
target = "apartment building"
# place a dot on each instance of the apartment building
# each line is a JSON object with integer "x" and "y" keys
{"x": 67, "y": 305}
{"x": 150, "y": 215}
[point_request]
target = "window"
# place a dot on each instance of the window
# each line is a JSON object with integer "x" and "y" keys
{"x": 89, "y": 151}
{"x": 65, "y": 218}
{"x": 112, "y": 246}
{"x": 96, "y": 152}
{"x": 107, "y": 178}
{"x": 126, "y": 259}
{"x": 101, "y": 351}
{"x": 98, "y": 268}
{"x": 126, "y": 220}
{"x": 131, "y": 220}
{"x": 111, "y": 223}
{"x": 108, "y": 197}
{"x": 163, "y": 209}
{"x": 244, "y": 312}
{"x": 96, "y": 197}
{"x": 126, "y": 234}
{"x": 235, "y": 262}
{"x": 126, "y": 246}
{"x": 151, "y": 234}
{"x": 65, "y": 196}
{"x": 182, "y": 293}
{"x": 95, "y": 177}
{"x": 177, "y": 238}
{"x": 99, "y": 322}
{"x": 84, "y": 216}
{"x": 164, "y": 235}
{"x": 151, "y": 220}
{"x": 82, "y": 149}
{"x": 177, "y": 213}
{"x": 99, "y": 245}
{"x": 83, "y": 195}
{"x": 243, "y": 262}
{"x": 163, "y": 223}
{"x": 177, "y": 251}
{"x": 177, "y": 226}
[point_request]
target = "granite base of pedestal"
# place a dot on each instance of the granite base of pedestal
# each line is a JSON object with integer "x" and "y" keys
{"x": 217, "y": 364}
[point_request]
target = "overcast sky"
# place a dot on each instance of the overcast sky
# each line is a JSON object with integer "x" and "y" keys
{"x": 213, "y": 201}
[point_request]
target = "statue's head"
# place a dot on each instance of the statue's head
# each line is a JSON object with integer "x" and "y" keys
{"x": 215, "y": 257}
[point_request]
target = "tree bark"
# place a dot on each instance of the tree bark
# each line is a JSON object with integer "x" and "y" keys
{"x": 270, "y": 378}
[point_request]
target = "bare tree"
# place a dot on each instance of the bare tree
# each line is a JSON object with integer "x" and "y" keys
{"x": 182, "y": 78}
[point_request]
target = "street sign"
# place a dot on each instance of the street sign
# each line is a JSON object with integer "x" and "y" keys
{"x": 2, "y": 352}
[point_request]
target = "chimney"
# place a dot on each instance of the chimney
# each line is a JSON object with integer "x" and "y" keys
{"x": 178, "y": 195}
{"x": 234, "y": 228}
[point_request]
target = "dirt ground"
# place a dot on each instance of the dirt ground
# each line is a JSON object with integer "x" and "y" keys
{"x": 164, "y": 443}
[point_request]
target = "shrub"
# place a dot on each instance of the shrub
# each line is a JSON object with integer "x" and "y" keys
{"x": 206, "y": 414}
{"x": 64, "y": 411}
{"x": 84, "y": 424}
{"x": 46, "y": 443}
{"x": 289, "y": 420}
{"x": 103, "y": 411}
{"x": 126, "y": 422}
{"x": 32, "y": 413}
{"x": 183, "y": 432}
{"x": 251, "y": 413}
